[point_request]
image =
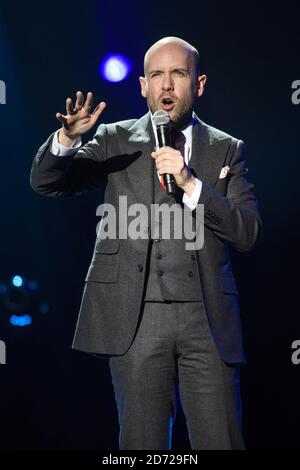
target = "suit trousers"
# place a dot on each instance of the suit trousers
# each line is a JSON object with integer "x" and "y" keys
{"x": 174, "y": 350}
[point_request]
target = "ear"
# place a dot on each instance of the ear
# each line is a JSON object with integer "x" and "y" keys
{"x": 143, "y": 83}
{"x": 201, "y": 84}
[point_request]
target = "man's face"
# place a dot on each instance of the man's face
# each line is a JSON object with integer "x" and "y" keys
{"x": 171, "y": 83}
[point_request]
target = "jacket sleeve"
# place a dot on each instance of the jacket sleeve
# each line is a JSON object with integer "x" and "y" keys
{"x": 54, "y": 176}
{"x": 234, "y": 217}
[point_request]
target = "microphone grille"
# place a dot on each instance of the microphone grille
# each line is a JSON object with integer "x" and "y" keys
{"x": 161, "y": 117}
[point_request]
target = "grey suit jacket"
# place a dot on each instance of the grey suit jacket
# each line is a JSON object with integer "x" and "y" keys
{"x": 119, "y": 158}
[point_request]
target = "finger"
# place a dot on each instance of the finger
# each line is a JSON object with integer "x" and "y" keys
{"x": 165, "y": 149}
{"x": 99, "y": 108}
{"x": 79, "y": 101}
{"x": 61, "y": 118}
{"x": 161, "y": 152}
{"x": 166, "y": 170}
{"x": 69, "y": 106}
{"x": 169, "y": 159}
{"x": 162, "y": 160}
{"x": 98, "y": 111}
{"x": 166, "y": 165}
{"x": 89, "y": 101}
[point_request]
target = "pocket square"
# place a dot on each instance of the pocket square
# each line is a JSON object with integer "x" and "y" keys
{"x": 224, "y": 172}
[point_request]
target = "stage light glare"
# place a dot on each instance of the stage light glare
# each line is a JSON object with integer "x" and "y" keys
{"x": 115, "y": 68}
{"x": 20, "y": 320}
{"x": 17, "y": 281}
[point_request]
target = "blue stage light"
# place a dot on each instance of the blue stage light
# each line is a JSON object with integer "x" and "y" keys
{"x": 20, "y": 295}
{"x": 17, "y": 281}
{"x": 20, "y": 320}
{"x": 115, "y": 68}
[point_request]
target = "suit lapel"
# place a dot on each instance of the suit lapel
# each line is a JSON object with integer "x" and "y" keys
{"x": 207, "y": 153}
{"x": 139, "y": 140}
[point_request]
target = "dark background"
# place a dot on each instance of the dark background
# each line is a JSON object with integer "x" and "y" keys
{"x": 51, "y": 396}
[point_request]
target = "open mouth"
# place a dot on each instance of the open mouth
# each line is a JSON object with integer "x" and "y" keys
{"x": 167, "y": 104}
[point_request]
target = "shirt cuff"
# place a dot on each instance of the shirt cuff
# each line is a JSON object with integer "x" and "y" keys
{"x": 192, "y": 201}
{"x": 60, "y": 150}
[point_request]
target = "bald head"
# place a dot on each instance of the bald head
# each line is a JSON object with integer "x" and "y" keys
{"x": 176, "y": 42}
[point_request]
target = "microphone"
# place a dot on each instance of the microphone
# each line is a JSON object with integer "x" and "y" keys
{"x": 161, "y": 120}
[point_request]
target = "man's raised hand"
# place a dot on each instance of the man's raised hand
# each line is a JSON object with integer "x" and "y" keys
{"x": 78, "y": 119}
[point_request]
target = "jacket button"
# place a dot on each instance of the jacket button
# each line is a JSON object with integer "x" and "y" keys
{"x": 160, "y": 273}
{"x": 159, "y": 256}
{"x": 140, "y": 268}
{"x": 190, "y": 273}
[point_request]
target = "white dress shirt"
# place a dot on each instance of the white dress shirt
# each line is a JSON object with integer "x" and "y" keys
{"x": 190, "y": 201}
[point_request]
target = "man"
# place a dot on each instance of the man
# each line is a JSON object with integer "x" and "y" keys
{"x": 165, "y": 316}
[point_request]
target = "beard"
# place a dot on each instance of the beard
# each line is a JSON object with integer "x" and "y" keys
{"x": 180, "y": 115}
